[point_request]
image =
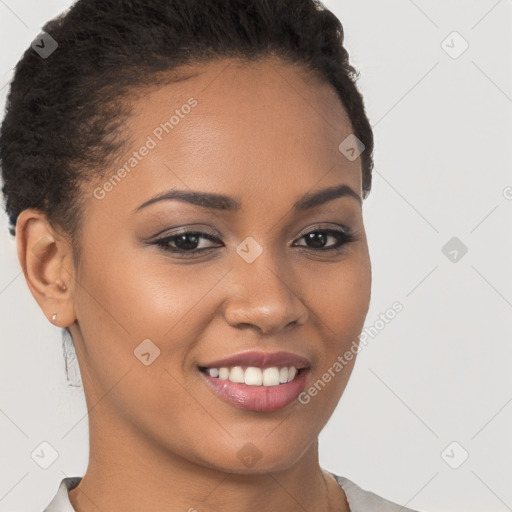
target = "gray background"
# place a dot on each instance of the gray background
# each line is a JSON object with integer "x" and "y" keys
{"x": 440, "y": 371}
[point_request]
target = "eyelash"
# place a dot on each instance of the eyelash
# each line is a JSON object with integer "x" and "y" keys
{"x": 344, "y": 237}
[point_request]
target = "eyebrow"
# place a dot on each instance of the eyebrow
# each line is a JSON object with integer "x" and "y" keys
{"x": 227, "y": 203}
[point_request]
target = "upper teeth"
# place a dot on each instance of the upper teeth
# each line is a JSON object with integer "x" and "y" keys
{"x": 254, "y": 376}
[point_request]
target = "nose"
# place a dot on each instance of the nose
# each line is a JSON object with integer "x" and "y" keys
{"x": 262, "y": 297}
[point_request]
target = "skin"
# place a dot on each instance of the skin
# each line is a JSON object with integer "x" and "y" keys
{"x": 265, "y": 133}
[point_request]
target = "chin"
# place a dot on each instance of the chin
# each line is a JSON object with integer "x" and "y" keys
{"x": 259, "y": 457}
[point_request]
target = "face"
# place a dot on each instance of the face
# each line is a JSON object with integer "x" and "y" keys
{"x": 265, "y": 269}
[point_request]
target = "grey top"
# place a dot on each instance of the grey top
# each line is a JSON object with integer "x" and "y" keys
{"x": 358, "y": 499}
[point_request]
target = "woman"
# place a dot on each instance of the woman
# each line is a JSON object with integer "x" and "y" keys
{"x": 185, "y": 182}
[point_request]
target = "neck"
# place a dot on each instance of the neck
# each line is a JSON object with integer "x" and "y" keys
{"x": 127, "y": 472}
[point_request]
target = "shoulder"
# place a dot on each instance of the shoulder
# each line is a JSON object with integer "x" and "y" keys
{"x": 361, "y": 500}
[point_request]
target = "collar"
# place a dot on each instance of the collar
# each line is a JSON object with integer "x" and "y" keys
{"x": 60, "y": 502}
{"x": 359, "y": 500}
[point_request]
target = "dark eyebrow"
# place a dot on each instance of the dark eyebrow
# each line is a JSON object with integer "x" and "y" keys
{"x": 203, "y": 199}
{"x": 322, "y": 196}
{"x": 223, "y": 202}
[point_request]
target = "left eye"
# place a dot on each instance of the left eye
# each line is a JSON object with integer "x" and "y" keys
{"x": 188, "y": 242}
{"x": 319, "y": 238}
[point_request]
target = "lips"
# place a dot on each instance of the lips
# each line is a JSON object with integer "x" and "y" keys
{"x": 260, "y": 360}
{"x": 272, "y": 395}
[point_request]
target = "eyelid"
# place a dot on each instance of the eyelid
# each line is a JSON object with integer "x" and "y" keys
{"x": 341, "y": 228}
{"x": 186, "y": 230}
{"x": 202, "y": 229}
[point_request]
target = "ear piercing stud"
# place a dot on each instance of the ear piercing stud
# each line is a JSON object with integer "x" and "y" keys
{"x": 61, "y": 285}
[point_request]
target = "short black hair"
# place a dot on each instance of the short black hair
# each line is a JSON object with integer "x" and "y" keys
{"x": 64, "y": 113}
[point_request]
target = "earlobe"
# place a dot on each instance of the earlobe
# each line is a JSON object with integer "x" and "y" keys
{"x": 42, "y": 254}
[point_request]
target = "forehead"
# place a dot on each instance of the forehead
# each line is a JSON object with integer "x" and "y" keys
{"x": 261, "y": 130}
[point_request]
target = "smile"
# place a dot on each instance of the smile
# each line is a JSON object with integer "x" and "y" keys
{"x": 253, "y": 376}
{"x": 257, "y": 381}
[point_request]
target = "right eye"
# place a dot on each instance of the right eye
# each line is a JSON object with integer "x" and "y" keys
{"x": 185, "y": 242}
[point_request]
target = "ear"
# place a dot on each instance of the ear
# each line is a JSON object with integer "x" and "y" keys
{"x": 46, "y": 259}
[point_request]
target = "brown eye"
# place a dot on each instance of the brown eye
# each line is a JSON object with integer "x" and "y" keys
{"x": 186, "y": 242}
{"x": 317, "y": 240}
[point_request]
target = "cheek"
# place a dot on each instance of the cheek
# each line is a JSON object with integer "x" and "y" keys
{"x": 133, "y": 296}
{"x": 341, "y": 297}
{"x": 122, "y": 302}
{"x": 118, "y": 306}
